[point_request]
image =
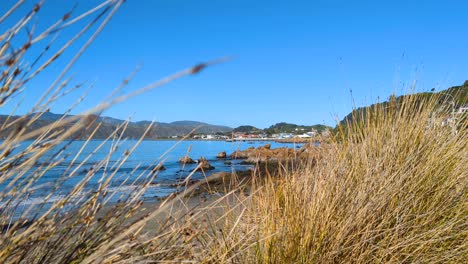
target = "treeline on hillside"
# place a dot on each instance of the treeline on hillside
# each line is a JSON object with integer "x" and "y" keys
{"x": 281, "y": 128}
{"x": 248, "y": 130}
{"x": 295, "y": 129}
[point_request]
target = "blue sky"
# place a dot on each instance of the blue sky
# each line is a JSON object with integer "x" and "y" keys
{"x": 294, "y": 61}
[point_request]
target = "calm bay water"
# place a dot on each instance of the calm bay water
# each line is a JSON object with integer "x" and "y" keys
{"x": 126, "y": 179}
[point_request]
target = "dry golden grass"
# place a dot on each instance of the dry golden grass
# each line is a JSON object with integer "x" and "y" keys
{"x": 74, "y": 228}
{"x": 391, "y": 187}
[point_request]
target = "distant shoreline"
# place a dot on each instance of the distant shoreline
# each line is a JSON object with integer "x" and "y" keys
{"x": 283, "y": 141}
{"x": 288, "y": 140}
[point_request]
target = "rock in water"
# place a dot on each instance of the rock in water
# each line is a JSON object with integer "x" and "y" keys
{"x": 204, "y": 165}
{"x": 239, "y": 155}
{"x": 221, "y": 155}
{"x": 267, "y": 146}
{"x": 158, "y": 167}
{"x": 186, "y": 160}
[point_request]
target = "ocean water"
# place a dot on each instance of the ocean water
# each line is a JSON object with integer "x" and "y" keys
{"x": 107, "y": 158}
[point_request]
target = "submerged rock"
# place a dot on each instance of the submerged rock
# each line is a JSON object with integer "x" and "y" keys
{"x": 182, "y": 180}
{"x": 158, "y": 167}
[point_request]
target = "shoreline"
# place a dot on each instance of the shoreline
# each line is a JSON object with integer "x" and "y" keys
{"x": 263, "y": 159}
{"x": 285, "y": 141}
{"x": 201, "y": 193}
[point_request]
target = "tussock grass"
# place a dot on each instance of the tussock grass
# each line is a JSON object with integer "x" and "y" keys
{"x": 390, "y": 188}
{"x": 81, "y": 225}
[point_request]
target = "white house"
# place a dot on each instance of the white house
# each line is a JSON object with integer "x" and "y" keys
{"x": 463, "y": 109}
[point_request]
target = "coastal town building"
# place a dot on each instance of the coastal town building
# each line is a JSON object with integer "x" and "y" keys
{"x": 462, "y": 109}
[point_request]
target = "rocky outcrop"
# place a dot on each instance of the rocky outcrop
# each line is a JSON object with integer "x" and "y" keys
{"x": 266, "y": 154}
{"x": 221, "y": 155}
{"x": 238, "y": 154}
{"x": 252, "y": 160}
{"x": 204, "y": 165}
{"x": 264, "y": 161}
{"x": 186, "y": 160}
{"x": 267, "y": 146}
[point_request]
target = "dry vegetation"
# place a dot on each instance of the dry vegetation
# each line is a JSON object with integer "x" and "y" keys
{"x": 389, "y": 188}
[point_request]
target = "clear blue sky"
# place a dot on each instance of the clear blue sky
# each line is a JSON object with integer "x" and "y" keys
{"x": 295, "y": 61}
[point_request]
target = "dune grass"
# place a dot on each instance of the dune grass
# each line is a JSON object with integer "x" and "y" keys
{"x": 77, "y": 224}
{"x": 388, "y": 188}
{"x": 391, "y": 186}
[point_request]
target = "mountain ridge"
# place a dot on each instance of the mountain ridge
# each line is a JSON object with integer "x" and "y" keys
{"x": 109, "y": 124}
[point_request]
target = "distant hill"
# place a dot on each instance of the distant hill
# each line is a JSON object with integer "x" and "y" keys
{"x": 187, "y": 123}
{"x": 459, "y": 93}
{"x": 293, "y": 128}
{"x": 247, "y": 129}
{"x": 48, "y": 116}
{"x": 134, "y": 129}
{"x": 158, "y": 130}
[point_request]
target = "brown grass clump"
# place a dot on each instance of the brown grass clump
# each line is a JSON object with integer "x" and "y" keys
{"x": 80, "y": 226}
{"x": 391, "y": 188}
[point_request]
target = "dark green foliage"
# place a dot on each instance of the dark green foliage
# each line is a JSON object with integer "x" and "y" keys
{"x": 459, "y": 93}
{"x": 293, "y": 128}
{"x": 247, "y": 129}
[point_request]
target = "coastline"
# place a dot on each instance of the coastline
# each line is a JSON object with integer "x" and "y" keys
{"x": 285, "y": 140}
{"x": 265, "y": 161}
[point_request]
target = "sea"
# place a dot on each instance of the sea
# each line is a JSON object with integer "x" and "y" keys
{"x": 126, "y": 164}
